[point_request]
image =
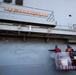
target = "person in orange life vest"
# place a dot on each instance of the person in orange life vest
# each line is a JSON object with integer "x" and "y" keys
{"x": 57, "y": 49}
{"x": 69, "y": 48}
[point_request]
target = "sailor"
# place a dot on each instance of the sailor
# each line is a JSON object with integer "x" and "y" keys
{"x": 57, "y": 49}
{"x": 69, "y": 48}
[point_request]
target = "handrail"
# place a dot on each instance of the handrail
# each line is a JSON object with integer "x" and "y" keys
{"x": 59, "y": 27}
{"x": 68, "y": 27}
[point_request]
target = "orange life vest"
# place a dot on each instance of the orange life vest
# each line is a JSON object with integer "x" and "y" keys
{"x": 69, "y": 49}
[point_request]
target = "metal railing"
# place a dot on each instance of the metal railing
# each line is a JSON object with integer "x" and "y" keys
{"x": 66, "y": 27}
{"x": 59, "y": 27}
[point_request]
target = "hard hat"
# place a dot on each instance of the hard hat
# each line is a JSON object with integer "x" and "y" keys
{"x": 68, "y": 45}
{"x": 56, "y": 46}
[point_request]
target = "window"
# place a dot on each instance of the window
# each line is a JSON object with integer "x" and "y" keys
{"x": 19, "y": 2}
{"x": 8, "y": 1}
